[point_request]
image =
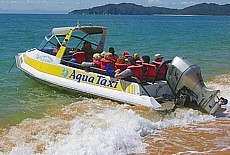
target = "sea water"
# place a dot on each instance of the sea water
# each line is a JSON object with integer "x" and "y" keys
{"x": 37, "y": 119}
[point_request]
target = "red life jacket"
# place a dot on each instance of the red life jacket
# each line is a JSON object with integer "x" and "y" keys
{"x": 97, "y": 63}
{"x": 151, "y": 71}
{"x": 104, "y": 62}
{"x": 80, "y": 57}
{"x": 137, "y": 71}
{"x": 115, "y": 57}
{"x": 120, "y": 66}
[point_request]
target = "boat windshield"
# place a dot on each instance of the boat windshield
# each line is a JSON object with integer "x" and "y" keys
{"x": 76, "y": 41}
{"x": 50, "y": 42}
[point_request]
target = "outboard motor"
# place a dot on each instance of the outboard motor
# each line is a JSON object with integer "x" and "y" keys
{"x": 184, "y": 78}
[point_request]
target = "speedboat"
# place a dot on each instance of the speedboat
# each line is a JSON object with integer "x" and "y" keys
{"x": 181, "y": 84}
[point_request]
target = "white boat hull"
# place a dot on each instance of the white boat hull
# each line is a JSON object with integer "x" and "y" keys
{"x": 89, "y": 82}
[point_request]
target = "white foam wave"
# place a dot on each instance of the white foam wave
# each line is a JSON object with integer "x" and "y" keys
{"x": 110, "y": 132}
{"x": 102, "y": 130}
{"x": 222, "y": 83}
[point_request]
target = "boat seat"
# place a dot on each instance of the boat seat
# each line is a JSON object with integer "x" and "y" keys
{"x": 120, "y": 66}
{"x": 163, "y": 70}
{"x": 104, "y": 62}
{"x": 80, "y": 57}
{"x": 71, "y": 64}
{"x": 151, "y": 71}
{"x": 139, "y": 62}
{"x": 156, "y": 63}
{"x": 137, "y": 71}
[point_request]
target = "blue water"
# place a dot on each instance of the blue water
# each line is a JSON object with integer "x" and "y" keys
{"x": 204, "y": 39}
{"x": 37, "y": 119}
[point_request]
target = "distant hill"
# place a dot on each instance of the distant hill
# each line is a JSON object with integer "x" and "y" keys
{"x": 133, "y": 9}
{"x": 206, "y": 9}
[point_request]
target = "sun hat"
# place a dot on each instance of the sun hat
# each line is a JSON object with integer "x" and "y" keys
{"x": 108, "y": 55}
{"x": 158, "y": 56}
{"x": 97, "y": 56}
{"x": 103, "y": 53}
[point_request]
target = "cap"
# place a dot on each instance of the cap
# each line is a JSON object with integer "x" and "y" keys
{"x": 126, "y": 53}
{"x": 131, "y": 60}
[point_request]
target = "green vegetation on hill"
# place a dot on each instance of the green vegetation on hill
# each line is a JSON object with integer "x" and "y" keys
{"x": 133, "y": 9}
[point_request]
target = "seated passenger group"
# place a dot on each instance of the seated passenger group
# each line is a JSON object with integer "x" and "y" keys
{"x": 120, "y": 67}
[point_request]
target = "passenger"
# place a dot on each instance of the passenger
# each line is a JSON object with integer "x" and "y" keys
{"x": 158, "y": 61}
{"x": 96, "y": 59}
{"x": 103, "y": 54}
{"x": 121, "y": 63}
{"x": 145, "y": 60}
{"x": 131, "y": 62}
{"x": 110, "y": 69}
{"x": 73, "y": 56}
{"x": 56, "y": 48}
{"x": 137, "y": 57}
{"x": 126, "y": 54}
{"x": 87, "y": 48}
{"x": 115, "y": 56}
{"x": 121, "y": 60}
{"x": 158, "y": 58}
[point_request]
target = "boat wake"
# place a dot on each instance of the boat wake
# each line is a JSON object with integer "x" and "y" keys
{"x": 98, "y": 126}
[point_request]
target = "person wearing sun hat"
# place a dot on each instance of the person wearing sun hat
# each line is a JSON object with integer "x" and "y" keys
{"x": 158, "y": 58}
{"x": 103, "y": 54}
{"x": 163, "y": 69}
{"x": 96, "y": 59}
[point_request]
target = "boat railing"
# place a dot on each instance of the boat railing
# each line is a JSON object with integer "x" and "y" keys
{"x": 71, "y": 64}
{"x": 97, "y": 70}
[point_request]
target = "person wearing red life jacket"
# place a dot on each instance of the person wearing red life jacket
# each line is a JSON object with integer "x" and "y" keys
{"x": 108, "y": 64}
{"x": 126, "y": 54}
{"x": 96, "y": 59}
{"x": 121, "y": 63}
{"x": 137, "y": 57}
{"x": 87, "y": 48}
{"x": 145, "y": 60}
{"x": 132, "y": 70}
{"x": 115, "y": 56}
{"x": 158, "y": 61}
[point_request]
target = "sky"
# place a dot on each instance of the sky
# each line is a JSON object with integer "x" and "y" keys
{"x": 65, "y": 6}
